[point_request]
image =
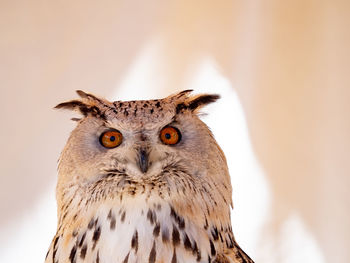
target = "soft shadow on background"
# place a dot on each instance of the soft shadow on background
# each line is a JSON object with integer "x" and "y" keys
{"x": 282, "y": 68}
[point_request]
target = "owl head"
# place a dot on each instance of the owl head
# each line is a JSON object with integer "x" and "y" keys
{"x": 146, "y": 141}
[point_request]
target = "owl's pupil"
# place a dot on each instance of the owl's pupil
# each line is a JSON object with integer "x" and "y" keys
{"x": 112, "y": 138}
{"x": 167, "y": 136}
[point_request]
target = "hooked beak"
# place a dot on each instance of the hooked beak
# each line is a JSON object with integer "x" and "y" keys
{"x": 143, "y": 160}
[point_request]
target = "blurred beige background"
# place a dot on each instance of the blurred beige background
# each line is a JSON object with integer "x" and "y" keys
{"x": 288, "y": 62}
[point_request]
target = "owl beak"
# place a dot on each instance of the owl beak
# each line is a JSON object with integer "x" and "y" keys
{"x": 143, "y": 160}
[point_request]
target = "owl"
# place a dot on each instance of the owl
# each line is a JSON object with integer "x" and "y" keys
{"x": 143, "y": 181}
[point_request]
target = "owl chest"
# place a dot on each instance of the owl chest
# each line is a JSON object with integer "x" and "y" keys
{"x": 137, "y": 232}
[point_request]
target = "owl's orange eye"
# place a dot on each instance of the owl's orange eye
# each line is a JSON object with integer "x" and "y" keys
{"x": 111, "y": 139}
{"x": 170, "y": 135}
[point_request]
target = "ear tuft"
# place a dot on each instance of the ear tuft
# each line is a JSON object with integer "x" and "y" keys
{"x": 88, "y": 105}
{"x": 86, "y": 95}
{"x": 202, "y": 100}
{"x": 83, "y": 108}
{"x": 70, "y": 105}
{"x": 82, "y": 94}
{"x": 180, "y": 96}
{"x": 196, "y": 102}
{"x": 185, "y": 92}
